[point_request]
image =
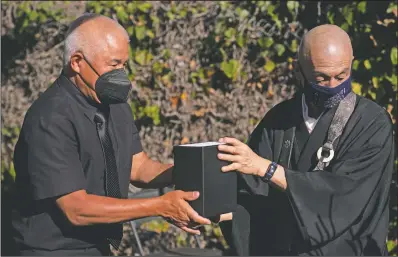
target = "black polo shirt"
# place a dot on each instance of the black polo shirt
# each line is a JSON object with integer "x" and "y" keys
{"x": 59, "y": 152}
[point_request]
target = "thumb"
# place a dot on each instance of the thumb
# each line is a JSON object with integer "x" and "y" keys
{"x": 190, "y": 196}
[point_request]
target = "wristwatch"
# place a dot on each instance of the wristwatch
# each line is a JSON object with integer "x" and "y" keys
{"x": 270, "y": 172}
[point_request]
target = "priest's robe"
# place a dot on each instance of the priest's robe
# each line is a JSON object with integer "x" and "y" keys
{"x": 342, "y": 210}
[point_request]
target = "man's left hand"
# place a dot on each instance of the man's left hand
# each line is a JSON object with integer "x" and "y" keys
{"x": 242, "y": 158}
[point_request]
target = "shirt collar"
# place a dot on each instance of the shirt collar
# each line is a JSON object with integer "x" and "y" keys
{"x": 310, "y": 122}
{"x": 89, "y": 107}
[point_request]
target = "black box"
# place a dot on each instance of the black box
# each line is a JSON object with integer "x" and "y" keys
{"x": 197, "y": 168}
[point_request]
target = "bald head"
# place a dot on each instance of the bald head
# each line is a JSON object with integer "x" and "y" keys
{"x": 92, "y": 34}
{"x": 325, "y": 55}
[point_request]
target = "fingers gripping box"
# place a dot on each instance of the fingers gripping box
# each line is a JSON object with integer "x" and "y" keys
{"x": 197, "y": 168}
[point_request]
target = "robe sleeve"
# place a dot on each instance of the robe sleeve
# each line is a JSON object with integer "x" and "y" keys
{"x": 237, "y": 232}
{"x": 327, "y": 203}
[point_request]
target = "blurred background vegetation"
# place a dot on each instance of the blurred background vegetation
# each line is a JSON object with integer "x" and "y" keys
{"x": 201, "y": 70}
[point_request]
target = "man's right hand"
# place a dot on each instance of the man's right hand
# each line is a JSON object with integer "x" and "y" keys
{"x": 179, "y": 212}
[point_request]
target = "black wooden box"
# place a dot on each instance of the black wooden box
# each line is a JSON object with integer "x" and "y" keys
{"x": 197, "y": 168}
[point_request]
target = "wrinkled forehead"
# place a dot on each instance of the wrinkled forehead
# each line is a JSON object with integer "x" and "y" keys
{"x": 111, "y": 45}
{"x": 332, "y": 56}
{"x": 115, "y": 42}
{"x": 326, "y": 59}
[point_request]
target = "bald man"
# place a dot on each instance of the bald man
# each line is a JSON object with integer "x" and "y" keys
{"x": 79, "y": 149}
{"x": 316, "y": 172}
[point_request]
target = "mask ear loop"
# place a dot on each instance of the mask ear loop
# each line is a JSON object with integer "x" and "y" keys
{"x": 91, "y": 66}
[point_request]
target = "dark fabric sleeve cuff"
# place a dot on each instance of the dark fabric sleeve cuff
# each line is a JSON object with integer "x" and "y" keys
{"x": 137, "y": 147}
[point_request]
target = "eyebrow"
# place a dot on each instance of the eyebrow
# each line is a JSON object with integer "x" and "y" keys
{"x": 318, "y": 73}
{"x": 117, "y": 61}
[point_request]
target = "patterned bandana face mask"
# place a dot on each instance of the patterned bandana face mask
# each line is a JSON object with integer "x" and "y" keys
{"x": 327, "y": 97}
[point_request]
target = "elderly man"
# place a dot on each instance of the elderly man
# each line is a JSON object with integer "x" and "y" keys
{"x": 79, "y": 149}
{"x": 316, "y": 173}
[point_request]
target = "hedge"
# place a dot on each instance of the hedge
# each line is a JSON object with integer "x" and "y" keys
{"x": 201, "y": 69}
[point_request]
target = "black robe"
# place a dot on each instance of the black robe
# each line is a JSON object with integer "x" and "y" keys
{"x": 342, "y": 210}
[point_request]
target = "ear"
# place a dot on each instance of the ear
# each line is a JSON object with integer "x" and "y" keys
{"x": 297, "y": 73}
{"x": 76, "y": 62}
{"x": 351, "y": 65}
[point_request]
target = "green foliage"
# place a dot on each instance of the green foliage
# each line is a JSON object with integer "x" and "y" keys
{"x": 156, "y": 225}
{"x": 30, "y": 14}
{"x": 143, "y": 57}
{"x": 393, "y": 56}
{"x": 269, "y": 65}
{"x": 230, "y": 68}
{"x": 150, "y": 111}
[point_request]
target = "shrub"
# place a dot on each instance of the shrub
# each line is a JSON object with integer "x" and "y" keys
{"x": 202, "y": 69}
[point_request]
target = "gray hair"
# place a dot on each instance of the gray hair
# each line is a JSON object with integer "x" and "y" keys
{"x": 74, "y": 40}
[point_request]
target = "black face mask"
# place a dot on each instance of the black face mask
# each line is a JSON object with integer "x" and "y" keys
{"x": 112, "y": 87}
{"x": 325, "y": 97}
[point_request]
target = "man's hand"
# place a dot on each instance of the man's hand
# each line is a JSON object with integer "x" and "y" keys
{"x": 177, "y": 210}
{"x": 226, "y": 216}
{"x": 147, "y": 173}
{"x": 216, "y": 219}
{"x": 246, "y": 161}
{"x": 242, "y": 157}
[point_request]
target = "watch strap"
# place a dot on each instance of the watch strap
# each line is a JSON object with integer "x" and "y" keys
{"x": 270, "y": 172}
